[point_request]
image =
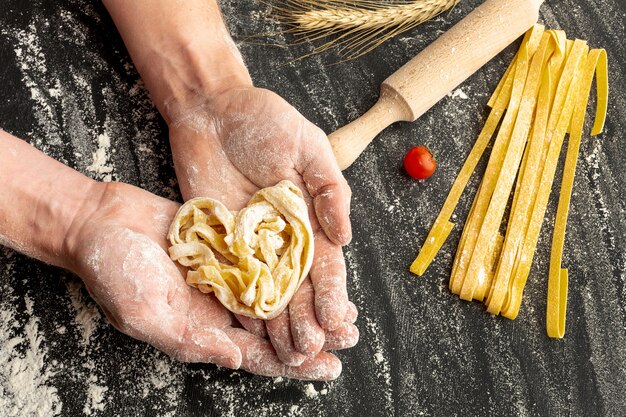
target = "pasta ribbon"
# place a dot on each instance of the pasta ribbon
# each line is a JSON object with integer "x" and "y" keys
{"x": 558, "y": 277}
{"x": 560, "y": 117}
{"x": 499, "y": 102}
{"x": 254, "y": 260}
{"x": 542, "y": 97}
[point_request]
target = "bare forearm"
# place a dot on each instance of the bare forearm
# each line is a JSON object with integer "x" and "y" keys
{"x": 182, "y": 49}
{"x": 41, "y": 201}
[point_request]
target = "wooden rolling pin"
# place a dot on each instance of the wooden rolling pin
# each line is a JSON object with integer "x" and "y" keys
{"x": 437, "y": 70}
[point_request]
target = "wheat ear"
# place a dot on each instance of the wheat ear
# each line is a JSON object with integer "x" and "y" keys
{"x": 361, "y": 25}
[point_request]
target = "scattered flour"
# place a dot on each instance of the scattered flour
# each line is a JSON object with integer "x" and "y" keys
{"x": 95, "y": 396}
{"x": 100, "y": 165}
{"x": 458, "y": 93}
{"x": 310, "y": 391}
{"x": 88, "y": 321}
{"x": 164, "y": 378}
{"x": 381, "y": 361}
{"x": 88, "y": 317}
{"x": 373, "y": 335}
{"x": 25, "y": 371}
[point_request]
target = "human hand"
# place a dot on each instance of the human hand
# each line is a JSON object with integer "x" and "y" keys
{"x": 229, "y": 139}
{"x": 114, "y": 237}
{"x": 230, "y": 145}
{"x": 120, "y": 251}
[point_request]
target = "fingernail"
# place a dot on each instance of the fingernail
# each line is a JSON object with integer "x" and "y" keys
{"x": 323, "y": 367}
{"x": 342, "y": 340}
{"x": 295, "y": 360}
{"x": 226, "y": 361}
{"x": 329, "y": 313}
{"x": 308, "y": 340}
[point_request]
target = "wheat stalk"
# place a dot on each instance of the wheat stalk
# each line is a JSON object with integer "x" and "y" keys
{"x": 361, "y": 25}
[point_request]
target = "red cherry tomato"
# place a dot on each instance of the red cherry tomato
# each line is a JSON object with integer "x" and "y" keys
{"x": 419, "y": 163}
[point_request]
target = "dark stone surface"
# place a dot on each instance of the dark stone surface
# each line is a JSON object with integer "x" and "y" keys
{"x": 66, "y": 78}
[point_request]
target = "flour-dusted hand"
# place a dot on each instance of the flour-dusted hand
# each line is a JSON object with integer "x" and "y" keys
{"x": 114, "y": 237}
{"x": 230, "y": 139}
{"x": 250, "y": 138}
{"x": 229, "y": 146}
{"x": 121, "y": 254}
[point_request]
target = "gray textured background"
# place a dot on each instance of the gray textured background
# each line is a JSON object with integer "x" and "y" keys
{"x": 66, "y": 78}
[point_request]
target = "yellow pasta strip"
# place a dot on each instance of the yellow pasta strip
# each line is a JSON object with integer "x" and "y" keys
{"x": 557, "y": 64}
{"x": 602, "y": 85}
{"x": 564, "y": 77}
{"x": 527, "y": 178}
{"x": 508, "y": 76}
{"x": 531, "y": 39}
{"x": 487, "y": 291}
{"x": 520, "y": 175}
{"x": 556, "y": 72}
{"x": 462, "y": 242}
{"x": 557, "y": 279}
{"x": 524, "y": 259}
{"x": 474, "y": 223}
{"x": 562, "y": 114}
{"x": 491, "y": 262}
{"x": 442, "y": 226}
{"x": 499, "y": 102}
{"x": 542, "y": 96}
{"x": 436, "y": 238}
{"x": 507, "y": 172}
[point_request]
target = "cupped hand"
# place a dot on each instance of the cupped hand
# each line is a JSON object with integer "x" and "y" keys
{"x": 120, "y": 252}
{"x": 229, "y": 146}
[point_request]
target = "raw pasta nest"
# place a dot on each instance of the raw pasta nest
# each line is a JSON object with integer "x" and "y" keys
{"x": 253, "y": 260}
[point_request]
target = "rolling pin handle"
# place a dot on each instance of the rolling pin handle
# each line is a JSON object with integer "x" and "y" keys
{"x": 351, "y": 140}
{"x": 437, "y": 70}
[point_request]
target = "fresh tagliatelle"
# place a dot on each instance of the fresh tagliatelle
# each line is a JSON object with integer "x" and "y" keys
{"x": 542, "y": 96}
{"x": 253, "y": 260}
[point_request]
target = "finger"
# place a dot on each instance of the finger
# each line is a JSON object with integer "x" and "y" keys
{"x": 254, "y": 326}
{"x": 208, "y": 344}
{"x": 322, "y": 367}
{"x": 332, "y": 208}
{"x": 258, "y": 356}
{"x": 346, "y": 336}
{"x": 280, "y": 336}
{"x": 327, "y": 186}
{"x": 183, "y": 341}
{"x": 308, "y": 335}
{"x": 351, "y": 313}
{"x": 328, "y": 275}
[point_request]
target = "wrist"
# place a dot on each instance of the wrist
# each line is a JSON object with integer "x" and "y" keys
{"x": 82, "y": 206}
{"x": 200, "y": 71}
{"x": 60, "y": 211}
{"x": 181, "y": 51}
{"x": 47, "y": 201}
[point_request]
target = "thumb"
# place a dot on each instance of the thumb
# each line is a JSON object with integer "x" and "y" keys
{"x": 327, "y": 186}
